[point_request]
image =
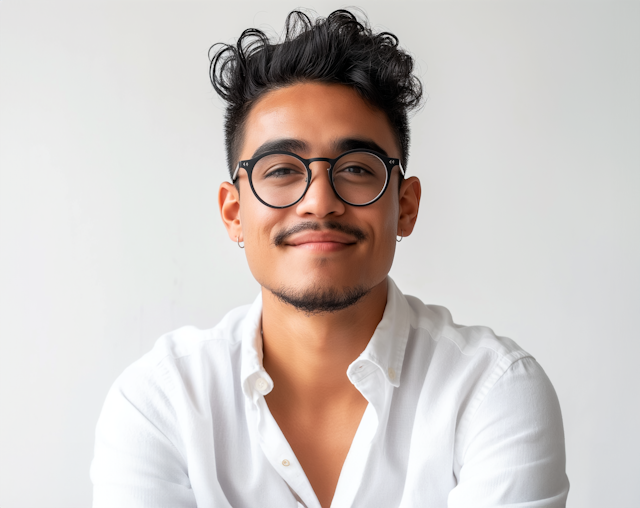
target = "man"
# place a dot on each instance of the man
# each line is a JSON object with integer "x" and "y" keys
{"x": 333, "y": 388}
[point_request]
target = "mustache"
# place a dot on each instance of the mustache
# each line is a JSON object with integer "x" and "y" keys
{"x": 354, "y": 231}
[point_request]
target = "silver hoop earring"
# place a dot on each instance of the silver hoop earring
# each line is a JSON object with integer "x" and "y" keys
{"x": 401, "y": 237}
{"x": 238, "y": 241}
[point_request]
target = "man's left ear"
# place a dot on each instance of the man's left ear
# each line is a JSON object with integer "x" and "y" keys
{"x": 409, "y": 202}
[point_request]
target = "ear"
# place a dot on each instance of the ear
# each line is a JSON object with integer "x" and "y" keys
{"x": 229, "y": 203}
{"x": 409, "y": 200}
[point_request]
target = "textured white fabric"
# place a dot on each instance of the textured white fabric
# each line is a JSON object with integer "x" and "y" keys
{"x": 457, "y": 417}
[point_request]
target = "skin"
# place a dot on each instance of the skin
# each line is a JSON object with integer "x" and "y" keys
{"x": 307, "y": 355}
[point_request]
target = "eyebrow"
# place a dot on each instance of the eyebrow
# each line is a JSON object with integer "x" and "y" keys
{"x": 299, "y": 146}
{"x": 346, "y": 144}
{"x": 281, "y": 145}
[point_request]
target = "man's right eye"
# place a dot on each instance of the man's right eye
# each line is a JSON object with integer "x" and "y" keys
{"x": 281, "y": 171}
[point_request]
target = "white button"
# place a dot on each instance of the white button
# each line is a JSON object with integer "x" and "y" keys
{"x": 261, "y": 384}
{"x": 392, "y": 373}
{"x": 285, "y": 462}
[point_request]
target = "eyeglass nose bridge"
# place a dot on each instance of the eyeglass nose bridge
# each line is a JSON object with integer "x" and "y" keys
{"x": 329, "y": 162}
{"x": 320, "y": 159}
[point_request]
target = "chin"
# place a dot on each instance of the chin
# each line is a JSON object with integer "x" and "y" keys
{"x": 320, "y": 298}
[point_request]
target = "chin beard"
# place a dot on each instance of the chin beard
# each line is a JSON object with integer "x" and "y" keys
{"x": 320, "y": 300}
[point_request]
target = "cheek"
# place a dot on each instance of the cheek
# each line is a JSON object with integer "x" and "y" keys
{"x": 386, "y": 225}
{"x": 256, "y": 219}
{"x": 388, "y": 218}
{"x": 388, "y": 241}
{"x": 258, "y": 223}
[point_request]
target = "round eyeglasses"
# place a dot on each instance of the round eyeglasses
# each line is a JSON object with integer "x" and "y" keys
{"x": 281, "y": 179}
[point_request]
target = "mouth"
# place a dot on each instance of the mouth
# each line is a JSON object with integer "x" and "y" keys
{"x": 323, "y": 241}
{"x": 328, "y": 237}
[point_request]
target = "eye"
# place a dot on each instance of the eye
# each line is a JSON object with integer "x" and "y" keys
{"x": 282, "y": 171}
{"x": 354, "y": 169}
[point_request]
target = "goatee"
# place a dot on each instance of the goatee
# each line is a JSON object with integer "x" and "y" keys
{"x": 320, "y": 300}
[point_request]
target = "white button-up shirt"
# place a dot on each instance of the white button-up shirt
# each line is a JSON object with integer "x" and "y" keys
{"x": 456, "y": 417}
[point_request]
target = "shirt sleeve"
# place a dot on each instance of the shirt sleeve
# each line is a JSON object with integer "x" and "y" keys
{"x": 514, "y": 453}
{"x": 137, "y": 459}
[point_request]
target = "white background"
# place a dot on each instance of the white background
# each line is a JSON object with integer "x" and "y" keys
{"x": 111, "y": 152}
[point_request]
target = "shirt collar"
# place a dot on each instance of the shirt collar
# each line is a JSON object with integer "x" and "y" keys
{"x": 251, "y": 369}
{"x": 385, "y": 350}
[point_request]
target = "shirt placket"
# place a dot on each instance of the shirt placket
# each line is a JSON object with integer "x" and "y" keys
{"x": 278, "y": 451}
{"x": 367, "y": 378}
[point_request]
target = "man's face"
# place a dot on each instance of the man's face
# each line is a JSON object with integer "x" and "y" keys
{"x": 320, "y": 245}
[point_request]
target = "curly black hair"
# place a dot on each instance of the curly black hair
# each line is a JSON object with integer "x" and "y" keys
{"x": 336, "y": 49}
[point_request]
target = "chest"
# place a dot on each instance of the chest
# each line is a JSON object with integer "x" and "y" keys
{"x": 401, "y": 463}
{"x": 320, "y": 441}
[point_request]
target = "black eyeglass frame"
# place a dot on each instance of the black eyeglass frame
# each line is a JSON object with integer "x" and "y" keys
{"x": 249, "y": 164}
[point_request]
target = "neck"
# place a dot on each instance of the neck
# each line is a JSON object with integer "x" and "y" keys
{"x": 310, "y": 353}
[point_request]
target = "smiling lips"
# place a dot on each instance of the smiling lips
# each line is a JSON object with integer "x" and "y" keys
{"x": 323, "y": 241}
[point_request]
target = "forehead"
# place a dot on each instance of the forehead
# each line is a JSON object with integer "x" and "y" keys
{"x": 319, "y": 116}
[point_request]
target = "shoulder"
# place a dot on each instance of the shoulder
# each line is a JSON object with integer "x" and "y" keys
{"x": 182, "y": 373}
{"x": 499, "y": 397}
{"x": 151, "y": 410}
{"x": 177, "y": 353}
{"x": 189, "y": 340}
{"x": 435, "y": 323}
{"x": 467, "y": 363}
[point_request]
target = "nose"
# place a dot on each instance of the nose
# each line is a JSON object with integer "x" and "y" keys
{"x": 320, "y": 200}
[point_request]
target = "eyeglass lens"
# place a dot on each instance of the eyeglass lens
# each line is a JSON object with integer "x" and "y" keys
{"x": 281, "y": 179}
